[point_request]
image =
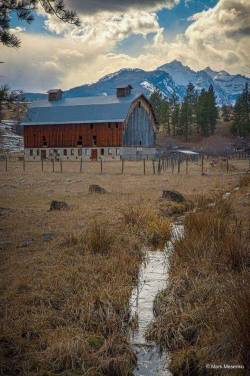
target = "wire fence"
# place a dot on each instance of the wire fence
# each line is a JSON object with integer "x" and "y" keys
{"x": 172, "y": 164}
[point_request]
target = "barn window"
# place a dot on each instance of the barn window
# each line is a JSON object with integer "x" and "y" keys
{"x": 94, "y": 141}
{"x": 109, "y": 125}
{"x": 91, "y": 126}
{"x": 140, "y": 143}
{"x": 31, "y": 152}
{"x": 37, "y": 152}
{"x": 79, "y": 152}
{"x": 72, "y": 152}
{"x": 79, "y": 142}
{"x": 65, "y": 152}
{"x": 102, "y": 151}
{"x": 116, "y": 125}
{"x": 44, "y": 141}
{"x": 139, "y": 104}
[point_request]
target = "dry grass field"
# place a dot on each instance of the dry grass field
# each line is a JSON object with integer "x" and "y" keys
{"x": 66, "y": 276}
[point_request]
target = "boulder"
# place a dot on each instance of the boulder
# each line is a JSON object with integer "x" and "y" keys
{"x": 173, "y": 196}
{"x": 58, "y": 205}
{"x": 94, "y": 188}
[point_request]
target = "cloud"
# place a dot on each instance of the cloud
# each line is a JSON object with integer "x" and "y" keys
{"x": 98, "y": 6}
{"x": 217, "y": 37}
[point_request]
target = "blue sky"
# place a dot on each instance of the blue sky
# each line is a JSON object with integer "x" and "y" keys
{"x": 126, "y": 33}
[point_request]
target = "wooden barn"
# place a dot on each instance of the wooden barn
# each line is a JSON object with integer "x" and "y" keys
{"x": 90, "y": 127}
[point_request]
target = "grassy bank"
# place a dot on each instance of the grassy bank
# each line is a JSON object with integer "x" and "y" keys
{"x": 202, "y": 318}
{"x": 67, "y": 311}
{"x": 66, "y": 281}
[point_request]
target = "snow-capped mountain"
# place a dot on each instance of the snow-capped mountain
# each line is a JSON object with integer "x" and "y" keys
{"x": 168, "y": 79}
{"x": 227, "y": 87}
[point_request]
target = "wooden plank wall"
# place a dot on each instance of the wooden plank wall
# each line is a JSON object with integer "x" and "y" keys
{"x": 68, "y": 135}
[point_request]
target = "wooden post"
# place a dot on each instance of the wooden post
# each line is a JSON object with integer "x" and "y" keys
{"x": 61, "y": 166}
{"x": 202, "y": 164}
{"x": 122, "y": 166}
{"x": 179, "y": 165}
{"x": 81, "y": 165}
{"x": 153, "y": 163}
{"x": 172, "y": 165}
{"x": 23, "y": 163}
{"x": 144, "y": 166}
{"x": 42, "y": 164}
{"x": 6, "y": 163}
{"x": 159, "y": 167}
{"x": 186, "y": 166}
{"x": 53, "y": 165}
{"x": 101, "y": 166}
{"x": 227, "y": 166}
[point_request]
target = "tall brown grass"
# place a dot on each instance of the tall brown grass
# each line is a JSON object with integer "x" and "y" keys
{"x": 203, "y": 316}
{"x": 147, "y": 223}
{"x": 67, "y": 312}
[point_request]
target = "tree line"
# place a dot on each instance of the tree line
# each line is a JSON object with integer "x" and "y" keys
{"x": 197, "y": 113}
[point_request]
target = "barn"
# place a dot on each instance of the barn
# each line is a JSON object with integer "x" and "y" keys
{"x": 107, "y": 127}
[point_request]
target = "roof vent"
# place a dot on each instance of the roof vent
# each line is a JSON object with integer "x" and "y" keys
{"x": 54, "y": 95}
{"x": 123, "y": 91}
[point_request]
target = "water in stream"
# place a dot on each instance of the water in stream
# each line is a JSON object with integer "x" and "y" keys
{"x": 152, "y": 279}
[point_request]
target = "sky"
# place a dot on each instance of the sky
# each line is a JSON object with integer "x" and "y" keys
{"x": 116, "y": 34}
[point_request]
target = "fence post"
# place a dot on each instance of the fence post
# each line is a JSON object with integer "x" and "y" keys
{"x": 61, "y": 166}
{"x": 153, "y": 163}
{"x": 81, "y": 164}
{"x": 186, "y": 165}
{"x": 179, "y": 165}
{"x": 159, "y": 167}
{"x": 122, "y": 166}
{"x": 144, "y": 166}
{"x": 6, "y": 163}
{"x": 101, "y": 166}
{"x": 227, "y": 166}
{"x": 23, "y": 163}
{"x": 172, "y": 165}
{"x": 202, "y": 164}
{"x": 53, "y": 165}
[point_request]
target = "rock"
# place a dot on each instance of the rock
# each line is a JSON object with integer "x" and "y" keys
{"x": 48, "y": 236}
{"x": 58, "y": 205}
{"x": 26, "y": 243}
{"x": 173, "y": 196}
{"x": 94, "y": 188}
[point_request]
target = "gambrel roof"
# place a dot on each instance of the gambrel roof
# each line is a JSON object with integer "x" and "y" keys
{"x": 97, "y": 109}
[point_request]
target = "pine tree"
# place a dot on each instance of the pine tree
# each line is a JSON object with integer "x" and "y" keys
{"x": 24, "y": 10}
{"x": 175, "y": 118}
{"x": 202, "y": 113}
{"x": 241, "y": 125}
{"x": 225, "y": 112}
{"x": 213, "y": 110}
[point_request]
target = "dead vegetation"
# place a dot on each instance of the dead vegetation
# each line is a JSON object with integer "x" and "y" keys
{"x": 203, "y": 316}
{"x": 146, "y": 222}
{"x": 69, "y": 309}
{"x": 64, "y": 302}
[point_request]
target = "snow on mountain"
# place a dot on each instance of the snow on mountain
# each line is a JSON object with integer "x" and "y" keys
{"x": 181, "y": 74}
{"x": 227, "y": 87}
{"x": 170, "y": 78}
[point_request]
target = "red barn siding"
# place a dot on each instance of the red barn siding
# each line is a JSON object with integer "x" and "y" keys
{"x": 67, "y": 135}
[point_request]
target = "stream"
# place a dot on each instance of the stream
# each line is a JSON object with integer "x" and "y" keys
{"x": 152, "y": 279}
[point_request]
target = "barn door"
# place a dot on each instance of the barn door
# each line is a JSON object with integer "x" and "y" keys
{"x": 94, "y": 154}
{"x": 43, "y": 154}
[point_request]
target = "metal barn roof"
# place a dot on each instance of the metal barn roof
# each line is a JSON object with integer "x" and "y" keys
{"x": 79, "y": 110}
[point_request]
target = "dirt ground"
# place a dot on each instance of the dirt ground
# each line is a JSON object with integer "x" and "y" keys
{"x": 26, "y": 195}
{"x": 36, "y": 268}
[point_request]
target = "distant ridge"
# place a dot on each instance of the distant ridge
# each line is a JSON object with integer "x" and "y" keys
{"x": 169, "y": 78}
